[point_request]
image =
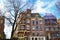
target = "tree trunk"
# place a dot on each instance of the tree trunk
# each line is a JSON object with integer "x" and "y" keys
{"x": 14, "y": 25}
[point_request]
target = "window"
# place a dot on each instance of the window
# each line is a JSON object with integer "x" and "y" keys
{"x": 40, "y": 27}
{"x": 51, "y": 28}
{"x": 27, "y": 27}
{"x": 40, "y": 21}
{"x": 36, "y": 17}
{"x": 36, "y": 27}
{"x": 56, "y": 29}
{"x": 28, "y": 21}
{"x": 37, "y": 34}
{"x": 53, "y": 35}
{"x": 41, "y": 39}
{"x": 28, "y": 15}
{"x": 51, "y": 20}
{"x": 59, "y": 35}
{"x": 21, "y": 27}
{"x": 36, "y": 22}
{"x": 56, "y": 35}
{"x": 55, "y": 25}
{"x": 40, "y": 33}
{"x": 47, "y": 29}
{"x": 21, "y": 16}
{"x": 35, "y": 38}
{"x": 22, "y": 21}
{"x": 33, "y": 28}
{"x": 33, "y": 22}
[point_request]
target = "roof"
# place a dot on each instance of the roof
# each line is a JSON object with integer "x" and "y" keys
{"x": 34, "y": 14}
{"x": 49, "y": 16}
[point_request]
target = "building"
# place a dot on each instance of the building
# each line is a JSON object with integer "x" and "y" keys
{"x": 51, "y": 27}
{"x": 58, "y": 21}
{"x": 2, "y": 21}
{"x": 30, "y": 26}
{"x": 23, "y": 29}
{"x": 37, "y": 27}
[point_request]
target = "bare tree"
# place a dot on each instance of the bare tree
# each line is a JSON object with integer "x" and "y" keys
{"x": 14, "y": 7}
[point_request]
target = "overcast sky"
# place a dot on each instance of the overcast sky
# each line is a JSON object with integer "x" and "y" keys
{"x": 41, "y": 6}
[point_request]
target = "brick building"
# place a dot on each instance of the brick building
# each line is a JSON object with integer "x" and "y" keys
{"x": 51, "y": 27}
{"x": 30, "y": 26}
{"x": 37, "y": 27}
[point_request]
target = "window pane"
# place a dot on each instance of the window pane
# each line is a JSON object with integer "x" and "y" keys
{"x": 36, "y": 17}
{"x": 40, "y": 27}
{"x": 20, "y": 27}
{"x": 28, "y": 21}
{"x": 51, "y": 28}
{"x": 40, "y": 21}
{"x": 47, "y": 29}
{"x": 56, "y": 29}
{"x": 36, "y": 27}
{"x": 40, "y": 38}
{"x": 36, "y": 22}
{"x": 33, "y": 22}
{"x": 28, "y": 15}
{"x": 33, "y": 27}
{"x": 27, "y": 27}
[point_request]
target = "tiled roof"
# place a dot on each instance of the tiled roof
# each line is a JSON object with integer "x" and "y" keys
{"x": 49, "y": 16}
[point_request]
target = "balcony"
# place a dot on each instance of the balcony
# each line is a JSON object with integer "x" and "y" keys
{"x": 21, "y": 28}
{"x": 22, "y": 21}
{"x": 27, "y": 21}
{"x": 28, "y": 16}
{"x": 27, "y": 27}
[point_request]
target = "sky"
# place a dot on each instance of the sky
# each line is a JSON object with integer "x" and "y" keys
{"x": 40, "y": 6}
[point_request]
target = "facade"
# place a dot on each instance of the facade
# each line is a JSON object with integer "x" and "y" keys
{"x": 2, "y": 20}
{"x": 37, "y": 27}
{"x": 51, "y": 27}
{"x": 23, "y": 26}
{"x": 30, "y": 26}
{"x": 58, "y": 21}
